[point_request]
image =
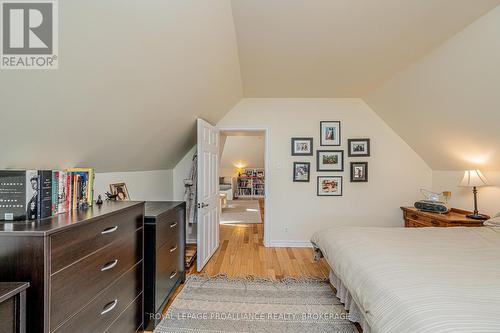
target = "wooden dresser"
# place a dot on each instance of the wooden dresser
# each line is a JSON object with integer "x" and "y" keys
{"x": 165, "y": 251}
{"x": 84, "y": 268}
{"x": 455, "y": 218}
{"x": 13, "y": 307}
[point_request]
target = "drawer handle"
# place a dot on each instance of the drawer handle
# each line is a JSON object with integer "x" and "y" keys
{"x": 174, "y": 273}
{"x": 109, "y": 230}
{"x": 173, "y": 225}
{"x": 109, "y": 265}
{"x": 173, "y": 249}
{"x": 108, "y": 307}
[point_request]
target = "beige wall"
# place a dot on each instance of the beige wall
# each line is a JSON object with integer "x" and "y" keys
{"x": 247, "y": 151}
{"x": 447, "y": 105}
{"x": 133, "y": 77}
{"x": 142, "y": 185}
{"x": 488, "y": 197}
{"x": 396, "y": 172}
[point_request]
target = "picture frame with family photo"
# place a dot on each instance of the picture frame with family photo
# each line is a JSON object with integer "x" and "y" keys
{"x": 359, "y": 172}
{"x": 358, "y": 147}
{"x": 330, "y": 186}
{"x": 302, "y": 146}
{"x": 330, "y": 134}
{"x": 301, "y": 171}
{"x": 329, "y": 160}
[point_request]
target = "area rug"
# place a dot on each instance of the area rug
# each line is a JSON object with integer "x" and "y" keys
{"x": 222, "y": 305}
{"x": 241, "y": 211}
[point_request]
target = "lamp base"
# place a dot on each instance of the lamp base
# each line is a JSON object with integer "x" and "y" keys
{"x": 477, "y": 216}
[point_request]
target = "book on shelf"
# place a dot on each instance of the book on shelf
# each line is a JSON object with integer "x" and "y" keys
{"x": 38, "y": 194}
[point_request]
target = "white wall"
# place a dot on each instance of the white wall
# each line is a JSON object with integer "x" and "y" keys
{"x": 142, "y": 185}
{"x": 488, "y": 197}
{"x": 396, "y": 172}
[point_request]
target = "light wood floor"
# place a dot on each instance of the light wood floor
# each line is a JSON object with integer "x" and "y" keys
{"x": 242, "y": 253}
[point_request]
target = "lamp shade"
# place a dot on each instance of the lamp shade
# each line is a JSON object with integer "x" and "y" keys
{"x": 473, "y": 178}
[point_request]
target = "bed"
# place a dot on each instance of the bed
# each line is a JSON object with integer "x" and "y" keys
{"x": 416, "y": 279}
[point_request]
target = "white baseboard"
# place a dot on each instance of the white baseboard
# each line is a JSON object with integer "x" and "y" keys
{"x": 286, "y": 243}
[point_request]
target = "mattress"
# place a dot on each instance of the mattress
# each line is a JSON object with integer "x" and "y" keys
{"x": 418, "y": 279}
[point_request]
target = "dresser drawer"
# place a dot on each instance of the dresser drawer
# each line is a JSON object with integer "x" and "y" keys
{"x": 106, "y": 308}
{"x": 168, "y": 227}
{"x": 169, "y": 267}
{"x": 130, "y": 320}
{"x": 79, "y": 283}
{"x": 78, "y": 242}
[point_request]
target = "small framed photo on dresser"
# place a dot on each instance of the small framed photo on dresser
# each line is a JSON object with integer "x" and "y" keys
{"x": 302, "y": 146}
{"x": 301, "y": 171}
{"x": 329, "y": 132}
{"x": 329, "y": 186}
{"x": 359, "y": 172}
{"x": 358, "y": 147}
{"x": 330, "y": 160}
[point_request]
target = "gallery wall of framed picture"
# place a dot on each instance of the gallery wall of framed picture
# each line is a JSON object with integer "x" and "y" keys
{"x": 330, "y": 160}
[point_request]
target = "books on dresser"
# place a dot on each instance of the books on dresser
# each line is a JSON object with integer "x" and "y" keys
{"x": 38, "y": 194}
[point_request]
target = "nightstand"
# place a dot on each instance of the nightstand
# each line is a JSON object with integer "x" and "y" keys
{"x": 455, "y": 218}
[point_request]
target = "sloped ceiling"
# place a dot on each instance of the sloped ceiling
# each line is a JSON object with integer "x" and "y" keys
{"x": 243, "y": 151}
{"x": 339, "y": 48}
{"x": 132, "y": 79}
{"x": 134, "y": 75}
{"x": 447, "y": 106}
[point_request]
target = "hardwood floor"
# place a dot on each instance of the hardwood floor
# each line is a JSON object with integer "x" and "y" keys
{"x": 242, "y": 253}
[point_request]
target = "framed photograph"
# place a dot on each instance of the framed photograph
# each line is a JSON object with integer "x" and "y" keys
{"x": 358, "y": 147}
{"x": 329, "y": 133}
{"x": 302, "y": 146}
{"x": 121, "y": 190}
{"x": 330, "y": 186}
{"x": 359, "y": 172}
{"x": 330, "y": 160}
{"x": 301, "y": 171}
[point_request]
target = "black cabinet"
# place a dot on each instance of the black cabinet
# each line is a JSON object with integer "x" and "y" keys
{"x": 164, "y": 255}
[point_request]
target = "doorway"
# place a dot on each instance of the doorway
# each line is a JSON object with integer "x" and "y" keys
{"x": 242, "y": 183}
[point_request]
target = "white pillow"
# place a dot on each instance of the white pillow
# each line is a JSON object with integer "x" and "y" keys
{"x": 494, "y": 222}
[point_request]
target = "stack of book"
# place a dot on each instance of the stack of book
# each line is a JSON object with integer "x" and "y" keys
{"x": 37, "y": 194}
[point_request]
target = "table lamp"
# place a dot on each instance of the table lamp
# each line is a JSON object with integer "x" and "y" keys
{"x": 474, "y": 179}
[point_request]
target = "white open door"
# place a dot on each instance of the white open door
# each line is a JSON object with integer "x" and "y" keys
{"x": 208, "y": 192}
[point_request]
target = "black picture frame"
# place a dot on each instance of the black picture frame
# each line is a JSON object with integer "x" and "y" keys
{"x": 322, "y": 193}
{"x": 311, "y": 153}
{"x": 319, "y": 164}
{"x": 322, "y": 140}
{"x": 350, "y": 148}
{"x": 363, "y": 179}
{"x": 295, "y": 179}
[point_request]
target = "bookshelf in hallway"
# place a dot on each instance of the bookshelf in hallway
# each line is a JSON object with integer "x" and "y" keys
{"x": 251, "y": 183}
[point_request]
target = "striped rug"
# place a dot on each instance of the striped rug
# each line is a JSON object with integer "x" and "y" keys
{"x": 255, "y": 305}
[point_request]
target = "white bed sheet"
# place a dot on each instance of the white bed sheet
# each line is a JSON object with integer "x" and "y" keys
{"x": 419, "y": 279}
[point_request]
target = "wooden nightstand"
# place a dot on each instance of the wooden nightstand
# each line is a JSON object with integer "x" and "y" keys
{"x": 455, "y": 218}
